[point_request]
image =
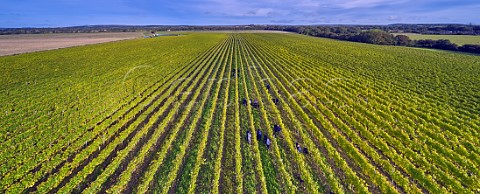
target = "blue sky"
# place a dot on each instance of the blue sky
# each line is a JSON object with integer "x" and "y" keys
{"x": 54, "y": 13}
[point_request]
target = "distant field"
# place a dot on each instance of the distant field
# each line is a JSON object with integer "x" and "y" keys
{"x": 225, "y": 32}
{"x": 25, "y": 43}
{"x": 457, "y": 39}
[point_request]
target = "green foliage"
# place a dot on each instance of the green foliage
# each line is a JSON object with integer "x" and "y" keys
{"x": 165, "y": 115}
{"x": 375, "y": 37}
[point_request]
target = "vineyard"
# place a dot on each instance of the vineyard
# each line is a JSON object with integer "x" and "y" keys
{"x": 171, "y": 115}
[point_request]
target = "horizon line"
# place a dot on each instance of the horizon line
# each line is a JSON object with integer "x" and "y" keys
{"x": 200, "y": 25}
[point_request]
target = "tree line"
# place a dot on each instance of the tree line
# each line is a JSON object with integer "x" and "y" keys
{"x": 381, "y": 37}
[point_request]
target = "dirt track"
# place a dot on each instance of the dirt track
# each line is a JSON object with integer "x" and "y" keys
{"x": 16, "y": 44}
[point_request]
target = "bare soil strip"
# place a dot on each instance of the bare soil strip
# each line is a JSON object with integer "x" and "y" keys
{"x": 26, "y": 43}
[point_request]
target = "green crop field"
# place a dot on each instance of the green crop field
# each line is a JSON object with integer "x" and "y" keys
{"x": 166, "y": 115}
{"x": 457, "y": 39}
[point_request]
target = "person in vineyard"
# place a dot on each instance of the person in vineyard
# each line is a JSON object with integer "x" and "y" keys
{"x": 244, "y": 102}
{"x": 268, "y": 86}
{"x": 259, "y": 135}
{"x": 249, "y": 137}
{"x": 299, "y": 178}
{"x": 299, "y": 148}
{"x": 255, "y": 104}
{"x": 268, "y": 142}
{"x": 276, "y": 130}
{"x": 305, "y": 150}
{"x": 276, "y": 101}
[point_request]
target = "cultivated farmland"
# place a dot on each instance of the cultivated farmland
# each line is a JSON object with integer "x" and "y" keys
{"x": 171, "y": 114}
{"x": 16, "y": 44}
{"x": 457, "y": 39}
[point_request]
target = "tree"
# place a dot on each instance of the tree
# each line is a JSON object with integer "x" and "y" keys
{"x": 471, "y": 48}
{"x": 403, "y": 40}
{"x": 425, "y": 43}
{"x": 445, "y": 45}
{"x": 375, "y": 37}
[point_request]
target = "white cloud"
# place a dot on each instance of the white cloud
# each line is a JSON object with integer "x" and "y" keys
{"x": 328, "y": 11}
{"x": 238, "y": 8}
{"x": 364, "y": 3}
{"x": 260, "y": 12}
{"x": 393, "y": 18}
